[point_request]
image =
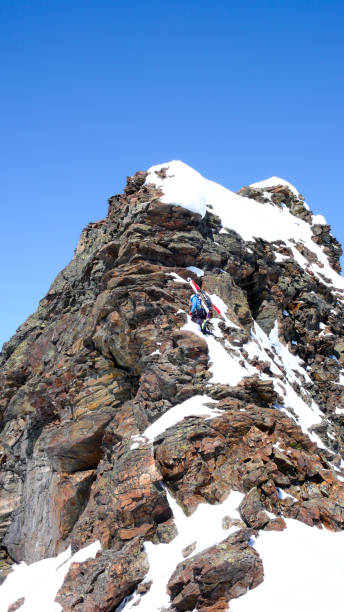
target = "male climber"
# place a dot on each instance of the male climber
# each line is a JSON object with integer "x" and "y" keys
{"x": 198, "y": 313}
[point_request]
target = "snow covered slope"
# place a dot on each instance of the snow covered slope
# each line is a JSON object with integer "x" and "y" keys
{"x": 273, "y": 181}
{"x": 39, "y": 582}
{"x": 186, "y": 187}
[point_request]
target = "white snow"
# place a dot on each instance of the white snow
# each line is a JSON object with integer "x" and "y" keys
{"x": 341, "y": 379}
{"x": 219, "y": 303}
{"x": 225, "y": 367}
{"x": 291, "y": 362}
{"x": 176, "y": 277}
{"x": 303, "y": 570}
{"x": 40, "y": 581}
{"x": 318, "y": 220}
{"x": 194, "y": 406}
{"x": 273, "y": 181}
{"x": 203, "y": 527}
{"x": 196, "y": 270}
{"x": 277, "y": 445}
{"x": 283, "y": 495}
{"x": 181, "y": 187}
{"x": 216, "y": 327}
{"x": 288, "y": 365}
{"x": 188, "y": 188}
{"x": 280, "y": 258}
{"x": 229, "y": 367}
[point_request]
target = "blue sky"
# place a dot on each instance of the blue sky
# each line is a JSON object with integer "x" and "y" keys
{"x": 93, "y": 90}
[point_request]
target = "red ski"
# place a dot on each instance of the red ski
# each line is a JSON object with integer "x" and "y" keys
{"x": 204, "y": 295}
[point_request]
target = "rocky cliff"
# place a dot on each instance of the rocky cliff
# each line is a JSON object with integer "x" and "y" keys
{"x": 121, "y": 422}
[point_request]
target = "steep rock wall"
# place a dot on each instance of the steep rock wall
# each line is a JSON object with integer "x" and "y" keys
{"x": 108, "y": 353}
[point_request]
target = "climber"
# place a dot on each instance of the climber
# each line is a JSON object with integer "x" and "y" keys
{"x": 198, "y": 313}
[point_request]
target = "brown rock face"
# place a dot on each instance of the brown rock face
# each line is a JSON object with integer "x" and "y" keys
{"x": 109, "y": 577}
{"x": 127, "y": 500}
{"x": 202, "y": 461}
{"x": 17, "y": 604}
{"x": 216, "y": 575}
{"x": 106, "y": 355}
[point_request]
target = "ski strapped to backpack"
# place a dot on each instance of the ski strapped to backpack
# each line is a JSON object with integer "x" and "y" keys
{"x": 205, "y": 297}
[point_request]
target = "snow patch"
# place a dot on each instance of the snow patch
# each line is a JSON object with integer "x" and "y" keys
{"x": 40, "y": 581}
{"x": 225, "y": 367}
{"x": 303, "y": 570}
{"x": 182, "y": 186}
{"x": 273, "y": 181}
{"x": 283, "y": 495}
{"x": 281, "y": 258}
{"x": 194, "y": 406}
{"x": 219, "y": 303}
{"x": 203, "y": 527}
{"x": 176, "y": 277}
{"x": 318, "y": 220}
{"x": 196, "y": 270}
{"x": 287, "y": 365}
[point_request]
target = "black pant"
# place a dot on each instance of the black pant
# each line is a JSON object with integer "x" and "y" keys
{"x": 198, "y": 316}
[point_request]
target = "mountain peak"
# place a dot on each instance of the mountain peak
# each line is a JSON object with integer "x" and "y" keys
{"x": 273, "y": 217}
{"x": 165, "y": 445}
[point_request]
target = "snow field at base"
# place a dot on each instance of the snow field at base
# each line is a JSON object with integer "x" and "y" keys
{"x": 303, "y": 570}
{"x": 184, "y": 186}
{"x": 203, "y": 527}
{"x": 40, "y": 581}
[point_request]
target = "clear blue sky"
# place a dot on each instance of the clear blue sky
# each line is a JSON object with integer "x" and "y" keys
{"x": 93, "y": 90}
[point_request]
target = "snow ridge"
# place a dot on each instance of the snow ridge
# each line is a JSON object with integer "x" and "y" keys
{"x": 184, "y": 186}
{"x": 273, "y": 181}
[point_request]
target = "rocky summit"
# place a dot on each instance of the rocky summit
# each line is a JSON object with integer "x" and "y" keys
{"x": 178, "y": 452}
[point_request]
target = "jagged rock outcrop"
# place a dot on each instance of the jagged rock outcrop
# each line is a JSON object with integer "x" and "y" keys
{"x": 105, "y": 356}
{"x": 217, "y": 575}
{"x": 102, "y": 583}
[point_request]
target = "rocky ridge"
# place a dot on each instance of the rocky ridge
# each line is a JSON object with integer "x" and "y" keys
{"x": 110, "y": 352}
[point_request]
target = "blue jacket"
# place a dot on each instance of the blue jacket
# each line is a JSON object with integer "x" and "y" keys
{"x": 196, "y": 303}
